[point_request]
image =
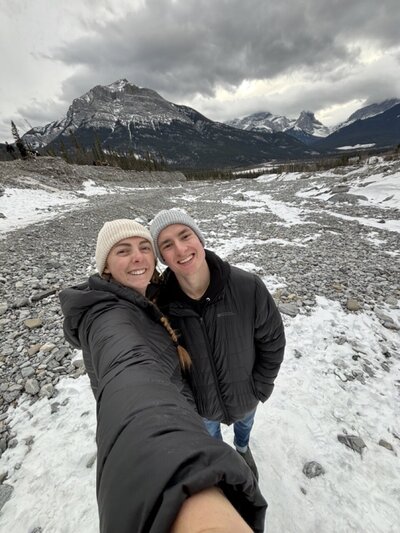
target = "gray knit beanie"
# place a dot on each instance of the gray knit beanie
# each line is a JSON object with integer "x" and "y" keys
{"x": 172, "y": 216}
{"x": 113, "y": 232}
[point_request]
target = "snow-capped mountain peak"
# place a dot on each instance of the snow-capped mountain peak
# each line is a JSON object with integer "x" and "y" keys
{"x": 369, "y": 111}
{"x": 306, "y": 124}
{"x": 104, "y": 106}
{"x": 310, "y": 125}
{"x": 262, "y": 121}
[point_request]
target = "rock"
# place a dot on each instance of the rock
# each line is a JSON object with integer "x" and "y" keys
{"x": 47, "y": 390}
{"x": 27, "y": 372}
{"x": 3, "y": 307}
{"x": 33, "y": 323}
{"x": 346, "y": 197}
{"x": 21, "y": 302}
{"x": 313, "y": 469}
{"x": 41, "y": 295}
{"x": 385, "y": 366}
{"x": 340, "y": 188}
{"x": 382, "y": 315}
{"x": 32, "y": 386}
{"x": 29, "y": 440}
{"x": 5, "y": 494}
{"x": 352, "y": 441}
{"x": 386, "y": 444}
{"x": 48, "y": 347}
{"x": 391, "y": 325}
{"x": 61, "y": 353}
{"x": 3, "y": 476}
{"x": 34, "y": 349}
{"x": 54, "y": 408}
{"x": 79, "y": 372}
{"x": 10, "y": 396}
{"x": 288, "y": 309}
{"x": 91, "y": 461}
{"x": 353, "y": 305}
{"x": 367, "y": 369}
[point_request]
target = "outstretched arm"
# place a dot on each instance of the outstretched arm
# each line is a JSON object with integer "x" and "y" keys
{"x": 209, "y": 512}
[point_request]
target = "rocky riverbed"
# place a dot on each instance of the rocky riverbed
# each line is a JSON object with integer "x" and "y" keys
{"x": 307, "y": 235}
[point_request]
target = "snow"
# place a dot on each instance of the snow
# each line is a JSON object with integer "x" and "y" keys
{"x": 355, "y": 146}
{"x": 54, "y": 488}
{"x": 256, "y": 201}
{"x": 54, "y": 484}
{"x": 390, "y": 225}
{"x": 384, "y": 190}
{"x": 27, "y": 206}
{"x": 379, "y": 189}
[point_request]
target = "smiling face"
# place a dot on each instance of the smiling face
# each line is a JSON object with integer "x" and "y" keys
{"x": 182, "y": 250}
{"x": 131, "y": 262}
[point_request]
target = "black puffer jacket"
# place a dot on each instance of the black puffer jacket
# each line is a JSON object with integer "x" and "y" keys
{"x": 153, "y": 449}
{"x": 235, "y": 338}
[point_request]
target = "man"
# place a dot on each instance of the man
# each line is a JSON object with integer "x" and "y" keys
{"x": 229, "y": 323}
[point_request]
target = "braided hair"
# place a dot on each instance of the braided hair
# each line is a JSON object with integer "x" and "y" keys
{"x": 184, "y": 357}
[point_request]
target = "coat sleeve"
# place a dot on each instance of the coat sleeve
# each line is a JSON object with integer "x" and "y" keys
{"x": 269, "y": 339}
{"x": 113, "y": 340}
{"x": 153, "y": 449}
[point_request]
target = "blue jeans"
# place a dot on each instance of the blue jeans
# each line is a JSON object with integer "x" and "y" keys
{"x": 241, "y": 430}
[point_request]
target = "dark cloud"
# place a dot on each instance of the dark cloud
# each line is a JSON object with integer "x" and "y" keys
{"x": 187, "y": 49}
{"x": 192, "y": 46}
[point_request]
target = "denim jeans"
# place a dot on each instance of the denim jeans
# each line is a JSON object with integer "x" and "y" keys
{"x": 241, "y": 430}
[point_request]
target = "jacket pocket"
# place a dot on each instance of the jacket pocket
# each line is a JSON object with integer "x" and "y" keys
{"x": 254, "y": 388}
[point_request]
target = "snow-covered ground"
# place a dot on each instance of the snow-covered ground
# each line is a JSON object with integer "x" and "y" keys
{"x": 313, "y": 403}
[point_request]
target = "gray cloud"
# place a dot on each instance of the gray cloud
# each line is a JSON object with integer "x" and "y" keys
{"x": 187, "y": 48}
{"x": 42, "y": 112}
{"x": 191, "y": 47}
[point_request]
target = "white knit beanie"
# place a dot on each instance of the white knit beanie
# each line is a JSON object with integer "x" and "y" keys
{"x": 172, "y": 216}
{"x": 113, "y": 232}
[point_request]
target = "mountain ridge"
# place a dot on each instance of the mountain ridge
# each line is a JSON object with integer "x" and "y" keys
{"x": 127, "y": 118}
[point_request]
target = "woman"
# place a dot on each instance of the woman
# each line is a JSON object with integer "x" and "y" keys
{"x": 158, "y": 470}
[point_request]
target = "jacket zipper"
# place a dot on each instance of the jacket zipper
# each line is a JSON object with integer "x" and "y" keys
{"x": 214, "y": 371}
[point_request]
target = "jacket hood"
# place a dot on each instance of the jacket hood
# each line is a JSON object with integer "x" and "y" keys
{"x": 76, "y": 302}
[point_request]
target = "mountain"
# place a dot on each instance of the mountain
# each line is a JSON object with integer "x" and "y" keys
{"x": 368, "y": 112}
{"x": 126, "y": 118}
{"x": 305, "y": 128}
{"x": 262, "y": 121}
{"x": 380, "y": 130}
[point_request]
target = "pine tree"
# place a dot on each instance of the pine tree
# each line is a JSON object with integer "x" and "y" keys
{"x": 19, "y": 143}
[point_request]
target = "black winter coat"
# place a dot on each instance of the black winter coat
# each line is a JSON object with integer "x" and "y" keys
{"x": 236, "y": 340}
{"x": 153, "y": 449}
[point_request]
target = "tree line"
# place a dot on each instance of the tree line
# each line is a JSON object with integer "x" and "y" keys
{"x": 72, "y": 151}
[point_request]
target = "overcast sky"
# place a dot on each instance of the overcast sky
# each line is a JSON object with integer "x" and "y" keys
{"x": 225, "y": 58}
